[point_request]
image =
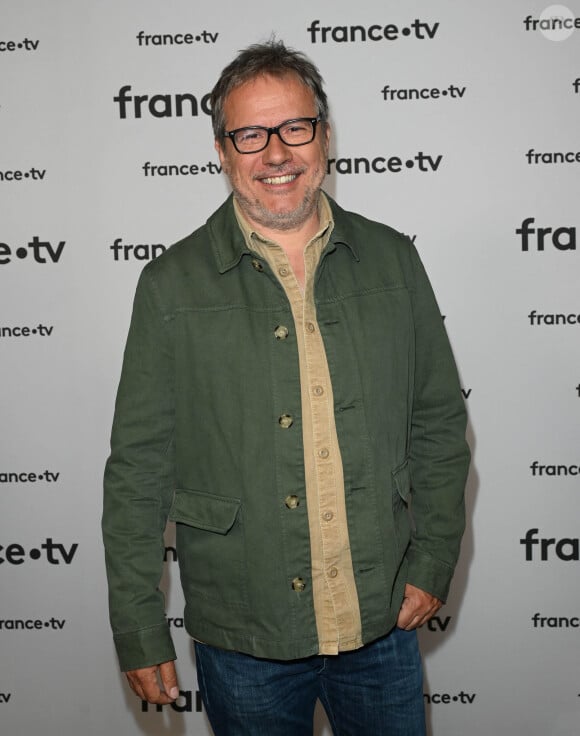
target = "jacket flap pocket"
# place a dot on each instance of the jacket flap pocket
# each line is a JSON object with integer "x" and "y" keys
{"x": 204, "y": 510}
{"x": 402, "y": 478}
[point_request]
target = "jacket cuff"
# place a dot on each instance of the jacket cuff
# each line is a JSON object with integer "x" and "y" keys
{"x": 144, "y": 648}
{"x": 428, "y": 574}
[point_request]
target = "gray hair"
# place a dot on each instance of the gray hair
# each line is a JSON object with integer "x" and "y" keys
{"x": 273, "y": 58}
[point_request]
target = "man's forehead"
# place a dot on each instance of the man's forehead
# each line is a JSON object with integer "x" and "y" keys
{"x": 261, "y": 83}
{"x": 268, "y": 99}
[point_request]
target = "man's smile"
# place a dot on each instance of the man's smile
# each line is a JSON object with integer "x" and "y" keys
{"x": 285, "y": 179}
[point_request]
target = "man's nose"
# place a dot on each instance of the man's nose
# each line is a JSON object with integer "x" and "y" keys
{"x": 276, "y": 152}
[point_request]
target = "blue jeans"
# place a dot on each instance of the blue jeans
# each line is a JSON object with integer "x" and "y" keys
{"x": 373, "y": 691}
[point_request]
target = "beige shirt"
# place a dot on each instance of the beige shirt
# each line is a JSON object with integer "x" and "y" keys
{"x": 336, "y": 604}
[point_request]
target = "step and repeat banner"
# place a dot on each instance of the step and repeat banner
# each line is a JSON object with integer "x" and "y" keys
{"x": 456, "y": 123}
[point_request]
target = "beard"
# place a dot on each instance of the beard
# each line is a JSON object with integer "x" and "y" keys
{"x": 284, "y": 219}
{"x": 279, "y": 220}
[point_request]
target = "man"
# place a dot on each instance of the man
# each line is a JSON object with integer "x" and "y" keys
{"x": 287, "y": 390}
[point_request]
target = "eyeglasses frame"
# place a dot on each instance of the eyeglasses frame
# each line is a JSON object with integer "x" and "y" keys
{"x": 270, "y": 131}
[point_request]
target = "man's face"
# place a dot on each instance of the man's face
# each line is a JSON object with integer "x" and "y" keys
{"x": 277, "y": 188}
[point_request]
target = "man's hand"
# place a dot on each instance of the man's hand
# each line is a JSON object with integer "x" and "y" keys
{"x": 157, "y": 684}
{"x": 417, "y": 608}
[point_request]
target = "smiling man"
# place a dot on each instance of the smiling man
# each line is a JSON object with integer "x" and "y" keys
{"x": 288, "y": 392}
{"x": 278, "y": 188}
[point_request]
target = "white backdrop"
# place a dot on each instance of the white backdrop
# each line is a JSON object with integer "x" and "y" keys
{"x": 500, "y": 104}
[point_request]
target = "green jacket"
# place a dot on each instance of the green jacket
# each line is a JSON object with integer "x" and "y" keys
{"x": 196, "y": 439}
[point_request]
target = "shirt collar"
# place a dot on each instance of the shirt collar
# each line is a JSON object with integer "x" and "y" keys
{"x": 229, "y": 244}
{"x": 250, "y": 233}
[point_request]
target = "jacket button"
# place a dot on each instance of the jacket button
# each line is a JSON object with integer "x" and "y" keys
{"x": 281, "y": 332}
{"x": 324, "y": 453}
{"x": 318, "y": 390}
{"x": 285, "y": 421}
{"x": 327, "y": 515}
{"x": 298, "y": 585}
{"x": 257, "y": 265}
{"x": 333, "y": 572}
{"x": 292, "y": 502}
{"x": 310, "y": 327}
{"x": 283, "y": 271}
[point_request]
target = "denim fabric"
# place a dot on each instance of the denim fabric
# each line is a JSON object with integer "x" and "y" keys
{"x": 373, "y": 691}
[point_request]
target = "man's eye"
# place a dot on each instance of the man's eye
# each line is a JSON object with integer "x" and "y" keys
{"x": 249, "y": 136}
{"x": 295, "y": 128}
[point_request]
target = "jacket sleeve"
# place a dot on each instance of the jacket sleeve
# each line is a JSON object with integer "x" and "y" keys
{"x": 138, "y": 485}
{"x": 438, "y": 453}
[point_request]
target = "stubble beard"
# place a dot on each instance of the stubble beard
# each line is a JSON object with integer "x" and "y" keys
{"x": 284, "y": 220}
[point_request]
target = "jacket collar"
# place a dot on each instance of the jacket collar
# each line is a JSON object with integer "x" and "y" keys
{"x": 343, "y": 233}
{"x": 229, "y": 245}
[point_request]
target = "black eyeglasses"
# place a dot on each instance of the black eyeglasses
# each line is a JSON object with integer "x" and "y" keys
{"x": 296, "y": 132}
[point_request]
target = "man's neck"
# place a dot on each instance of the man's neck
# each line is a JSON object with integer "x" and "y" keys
{"x": 292, "y": 241}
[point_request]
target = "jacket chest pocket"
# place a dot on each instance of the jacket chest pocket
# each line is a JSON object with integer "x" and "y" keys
{"x": 210, "y": 546}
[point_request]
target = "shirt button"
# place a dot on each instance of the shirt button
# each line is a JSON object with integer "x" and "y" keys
{"x": 281, "y": 332}
{"x": 327, "y": 515}
{"x": 285, "y": 421}
{"x": 298, "y": 585}
{"x": 318, "y": 390}
{"x": 324, "y": 453}
{"x": 292, "y": 502}
{"x": 257, "y": 265}
{"x": 283, "y": 271}
{"x": 310, "y": 327}
{"x": 333, "y": 572}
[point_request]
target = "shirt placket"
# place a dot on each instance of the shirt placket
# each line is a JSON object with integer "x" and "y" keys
{"x": 338, "y": 604}
{"x": 334, "y": 592}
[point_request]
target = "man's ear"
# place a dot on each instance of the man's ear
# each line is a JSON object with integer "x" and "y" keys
{"x": 327, "y": 135}
{"x": 218, "y": 147}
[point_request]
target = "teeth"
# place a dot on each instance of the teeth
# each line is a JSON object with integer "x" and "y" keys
{"x": 280, "y": 179}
